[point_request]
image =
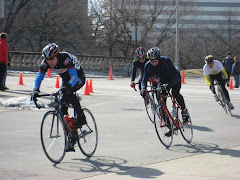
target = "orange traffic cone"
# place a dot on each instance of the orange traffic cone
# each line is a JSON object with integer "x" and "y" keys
{"x": 86, "y": 91}
{"x": 49, "y": 73}
{"x": 231, "y": 85}
{"x": 20, "y": 79}
{"x": 183, "y": 78}
{"x": 57, "y": 83}
{"x": 90, "y": 86}
{"x": 110, "y": 74}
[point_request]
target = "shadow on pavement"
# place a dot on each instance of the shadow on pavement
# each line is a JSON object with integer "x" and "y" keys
{"x": 202, "y": 147}
{"x": 236, "y": 116}
{"x": 14, "y": 92}
{"x": 195, "y": 148}
{"x": 104, "y": 164}
{"x": 229, "y": 152}
{"x": 201, "y": 128}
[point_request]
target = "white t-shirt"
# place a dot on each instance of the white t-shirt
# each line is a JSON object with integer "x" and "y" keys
{"x": 217, "y": 67}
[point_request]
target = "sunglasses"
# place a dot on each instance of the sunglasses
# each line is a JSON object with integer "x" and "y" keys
{"x": 153, "y": 61}
{"x": 209, "y": 62}
{"x": 50, "y": 59}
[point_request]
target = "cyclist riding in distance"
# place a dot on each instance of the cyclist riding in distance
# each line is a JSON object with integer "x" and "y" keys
{"x": 138, "y": 63}
{"x": 163, "y": 68}
{"x": 213, "y": 70}
{"x": 73, "y": 78}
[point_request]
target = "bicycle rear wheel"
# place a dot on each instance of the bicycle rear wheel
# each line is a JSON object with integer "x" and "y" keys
{"x": 53, "y": 137}
{"x": 150, "y": 106}
{"x": 162, "y": 127}
{"x": 185, "y": 128}
{"x": 221, "y": 97}
{"x": 88, "y": 135}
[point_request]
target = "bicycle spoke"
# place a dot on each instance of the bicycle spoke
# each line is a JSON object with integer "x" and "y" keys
{"x": 51, "y": 144}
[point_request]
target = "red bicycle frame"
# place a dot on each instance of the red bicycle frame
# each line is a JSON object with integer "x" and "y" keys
{"x": 163, "y": 105}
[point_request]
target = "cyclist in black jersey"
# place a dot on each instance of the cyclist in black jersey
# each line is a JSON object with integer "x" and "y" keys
{"x": 71, "y": 72}
{"x": 139, "y": 62}
{"x": 163, "y": 68}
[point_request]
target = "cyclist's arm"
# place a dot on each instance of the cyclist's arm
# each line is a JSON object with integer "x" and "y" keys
{"x": 224, "y": 73}
{"x": 38, "y": 80}
{"x": 146, "y": 76}
{"x": 207, "y": 80}
{"x": 73, "y": 76}
{"x": 134, "y": 71}
{"x": 40, "y": 75}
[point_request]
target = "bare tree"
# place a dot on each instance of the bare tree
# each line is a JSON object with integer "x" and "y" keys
{"x": 32, "y": 25}
{"x": 14, "y": 8}
{"x": 225, "y": 37}
{"x": 156, "y": 17}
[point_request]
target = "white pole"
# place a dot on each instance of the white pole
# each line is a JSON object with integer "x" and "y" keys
{"x": 177, "y": 35}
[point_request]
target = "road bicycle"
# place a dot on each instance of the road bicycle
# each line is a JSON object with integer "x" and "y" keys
{"x": 222, "y": 98}
{"x": 166, "y": 121}
{"x": 57, "y": 134}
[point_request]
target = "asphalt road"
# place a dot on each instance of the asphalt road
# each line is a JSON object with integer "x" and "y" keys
{"x": 127, "y": 138}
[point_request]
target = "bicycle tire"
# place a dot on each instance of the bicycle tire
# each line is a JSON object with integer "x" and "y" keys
{"x": 185, "y": 128}
{"x": 87, "y": 136}
{"x": 162, "y": 128}
{"x": 53, "y": 137}
{"x": 221, "y": 98}
{"x": 150, "y": 106}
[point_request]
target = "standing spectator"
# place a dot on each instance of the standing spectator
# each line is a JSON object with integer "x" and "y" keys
{"x": 3, "y": 57}
{"x": 227, "y": 64}
{"x": 5, "y": 75}
{"x": 236, "y": 71}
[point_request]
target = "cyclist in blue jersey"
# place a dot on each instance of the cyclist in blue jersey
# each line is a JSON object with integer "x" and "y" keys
{"x": 71, "y": 72}
{"x": 139, "y": 62}
{"x": 163, "y": 68}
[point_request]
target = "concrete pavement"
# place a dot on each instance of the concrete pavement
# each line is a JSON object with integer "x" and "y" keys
{"x": 215, "y": 165}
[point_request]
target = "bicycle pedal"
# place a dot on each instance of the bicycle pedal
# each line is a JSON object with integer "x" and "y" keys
{"x": 83, "y": 133}
{"x": 70, "y": 149}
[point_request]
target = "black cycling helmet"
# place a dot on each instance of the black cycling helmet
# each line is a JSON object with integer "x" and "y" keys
{"x": 154, "y": 53}
{"x": 208, "y": 59}
{"x": 50, "y": 50}
{"x": 140, "y": 53}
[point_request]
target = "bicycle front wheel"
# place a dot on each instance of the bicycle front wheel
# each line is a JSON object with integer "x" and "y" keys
{"x": 88, "y": 135}
{"x": 185, "y": 128}
{"x": 53, "y": 137}
{"x": 163, "y": 126}
{"x": 226, "y": 107}
{"x": 150, "y": 106}
{"x": 221, "y": 96}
